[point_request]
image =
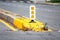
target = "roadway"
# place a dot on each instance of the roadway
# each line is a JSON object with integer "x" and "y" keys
{"x": 44, "y": 13}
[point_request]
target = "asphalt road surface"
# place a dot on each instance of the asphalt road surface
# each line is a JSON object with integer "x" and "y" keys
{"x": 44, "y": 13}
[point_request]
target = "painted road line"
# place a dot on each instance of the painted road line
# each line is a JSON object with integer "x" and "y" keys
{"x": 9, "y": 26}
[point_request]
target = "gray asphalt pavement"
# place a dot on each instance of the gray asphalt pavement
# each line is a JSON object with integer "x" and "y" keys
{"x": 44, "y": 13}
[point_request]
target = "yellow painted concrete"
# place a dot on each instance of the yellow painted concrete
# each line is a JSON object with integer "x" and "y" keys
{"x": 18, "y": 23}
{"x": 23, "y": 24}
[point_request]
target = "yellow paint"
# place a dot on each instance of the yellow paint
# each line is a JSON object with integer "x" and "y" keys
{"x": 32, "y": 12}
{"x": 32, "y": 16}
{"x": 32, "y": 8}
{"x": 49, "y": 30}
{"x": 9, "y": 26}
{"x": 18, "y": 23}
{"x": 23, "y": 24}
